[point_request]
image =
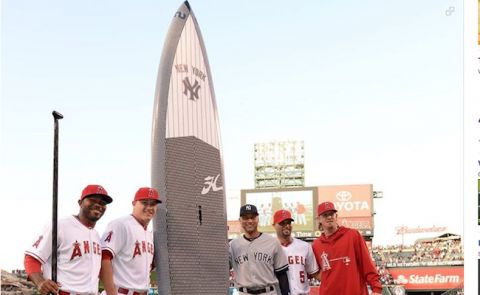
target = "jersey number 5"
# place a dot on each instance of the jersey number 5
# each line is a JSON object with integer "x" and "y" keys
{"x": 302, "y": 277}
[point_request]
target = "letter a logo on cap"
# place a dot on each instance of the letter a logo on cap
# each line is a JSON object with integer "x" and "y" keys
{"x": 100, "y": 190}
{"x": 248, "y": 207}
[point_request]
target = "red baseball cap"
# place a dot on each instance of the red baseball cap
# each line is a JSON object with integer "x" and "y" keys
{"x": 282, "y": 215}
{"x": 96, "y": 190}
{"x": 324, "y": 207}
{"x": 147, "y": 193}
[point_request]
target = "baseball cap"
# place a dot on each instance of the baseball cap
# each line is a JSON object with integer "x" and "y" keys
{"x": 324, "y": 207}
{"x": 282, "y": 215}
{"x": 96, "y": 190}
{"x": 147, "y": 193}
{"x": 248, "y": 209}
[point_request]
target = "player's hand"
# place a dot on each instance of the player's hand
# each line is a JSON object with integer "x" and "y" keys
{"x": 48, "y": 286}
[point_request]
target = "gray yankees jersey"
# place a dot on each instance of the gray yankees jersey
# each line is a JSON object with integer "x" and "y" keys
{"x": 255, "y": 262}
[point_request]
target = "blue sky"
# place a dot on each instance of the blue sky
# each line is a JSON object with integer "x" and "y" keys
{"x": 374, "y": 88}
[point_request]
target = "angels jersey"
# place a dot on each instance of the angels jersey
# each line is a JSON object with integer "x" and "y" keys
{"x": 132, "y": 248}
{"x": 78, "y": 255}
{"x": 301, "y": 262}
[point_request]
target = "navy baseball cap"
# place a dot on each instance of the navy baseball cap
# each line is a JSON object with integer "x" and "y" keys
{"x": 248, "y": 209}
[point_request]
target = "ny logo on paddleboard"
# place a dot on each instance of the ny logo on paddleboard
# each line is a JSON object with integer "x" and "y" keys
{"x": 193, "y": 89}
{"x": 211, "y": 184}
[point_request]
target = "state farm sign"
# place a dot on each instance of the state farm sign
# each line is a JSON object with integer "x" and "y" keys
{"x": 349, "y": 200}
{"x": 428, "y": 278}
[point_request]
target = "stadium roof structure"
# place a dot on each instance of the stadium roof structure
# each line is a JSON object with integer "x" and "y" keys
{"x": 445, "y": 236}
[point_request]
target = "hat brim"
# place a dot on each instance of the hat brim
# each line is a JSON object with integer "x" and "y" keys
{"x": 107, "y": 199}
{"x": 331, "y": 210}
{"x": 247, "y": 213}
{"x": 145, "y": 199}
{"x": 291, "y": 219}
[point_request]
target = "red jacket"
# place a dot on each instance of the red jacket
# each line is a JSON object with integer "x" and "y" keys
{"x": 346, "y": 264}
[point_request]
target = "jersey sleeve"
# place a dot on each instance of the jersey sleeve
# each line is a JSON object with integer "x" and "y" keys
{"x": 368, "y": 268}
{"x": 311, "y": 265}
{"x": 41, "y": 248}
{"x": 114, "y": 237}
{"x": 280, "y": 258}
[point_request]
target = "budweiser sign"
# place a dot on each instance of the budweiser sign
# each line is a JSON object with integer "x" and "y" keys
{"x": 406, "y": 230}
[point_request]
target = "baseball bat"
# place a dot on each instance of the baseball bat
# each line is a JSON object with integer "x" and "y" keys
{"x": 56, "y": 116}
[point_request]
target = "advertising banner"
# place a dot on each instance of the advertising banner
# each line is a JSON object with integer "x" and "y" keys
{"x": 354, "y": 204}
{"x": 428, "y": 278}
{"x": 349, "y": 200}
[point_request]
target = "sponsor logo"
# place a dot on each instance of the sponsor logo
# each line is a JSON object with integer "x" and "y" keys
{"x": 402, "y": 280}
{"x": 211, "y": 184}
{"x": 343, "y": 196}
{"x": 428, "y": 279}
{"x": 191, "y": 89}
{"x": 344, "y": 202}
{"x": 397, "y": 290}
{"x": 357, "y": 224}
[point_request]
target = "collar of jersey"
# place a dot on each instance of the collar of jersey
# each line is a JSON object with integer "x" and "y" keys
{"x": 139, "y": 222}
{"x": 251, "y": 239}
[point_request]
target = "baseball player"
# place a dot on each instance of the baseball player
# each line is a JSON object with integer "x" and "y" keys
{"x": 341, "y": 252}
{"x": 301, "y": 261}
{"x": 79, "y": 251}
{"x": 258, "y": 261}
{"x": 127, "y": 247}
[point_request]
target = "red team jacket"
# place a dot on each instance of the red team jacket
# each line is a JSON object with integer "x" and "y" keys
{"x": 346, "y": 264}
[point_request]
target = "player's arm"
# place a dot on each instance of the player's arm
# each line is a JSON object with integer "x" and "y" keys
{"x": 33, "y": 268}
{"x": 106, "y": 273}
{"x": 283, "y": 281}
{"x": 312, "y": 268}
{"x": 317, "y": 275}
{"x": 369, "y": 271}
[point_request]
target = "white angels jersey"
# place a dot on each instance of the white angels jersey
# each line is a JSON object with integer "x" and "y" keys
{"x": 255, "y": 262}
{"x": 79, "y": 255}
{"x": 132, "y": 248}
{"x": 301, "y": 262}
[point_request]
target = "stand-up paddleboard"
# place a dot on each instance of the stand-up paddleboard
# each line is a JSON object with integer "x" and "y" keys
{"x": 190, "y": 227}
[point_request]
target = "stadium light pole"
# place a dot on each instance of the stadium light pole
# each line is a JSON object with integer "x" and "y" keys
{"x": 376, "y": 195}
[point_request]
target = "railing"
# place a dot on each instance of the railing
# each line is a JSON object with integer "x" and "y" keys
{"x": 458, "y": 290}
{"x": 424, "y": 263}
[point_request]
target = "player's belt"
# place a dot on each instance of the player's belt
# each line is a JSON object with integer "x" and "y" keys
{"x": 256, "y": 290}
{"x": 130, "y": 292}
{"x": 60, "y": 292}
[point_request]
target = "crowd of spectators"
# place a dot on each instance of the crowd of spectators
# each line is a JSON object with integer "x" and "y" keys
{"x": 19, "y": 273}
{"x": 429, "y": 252}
